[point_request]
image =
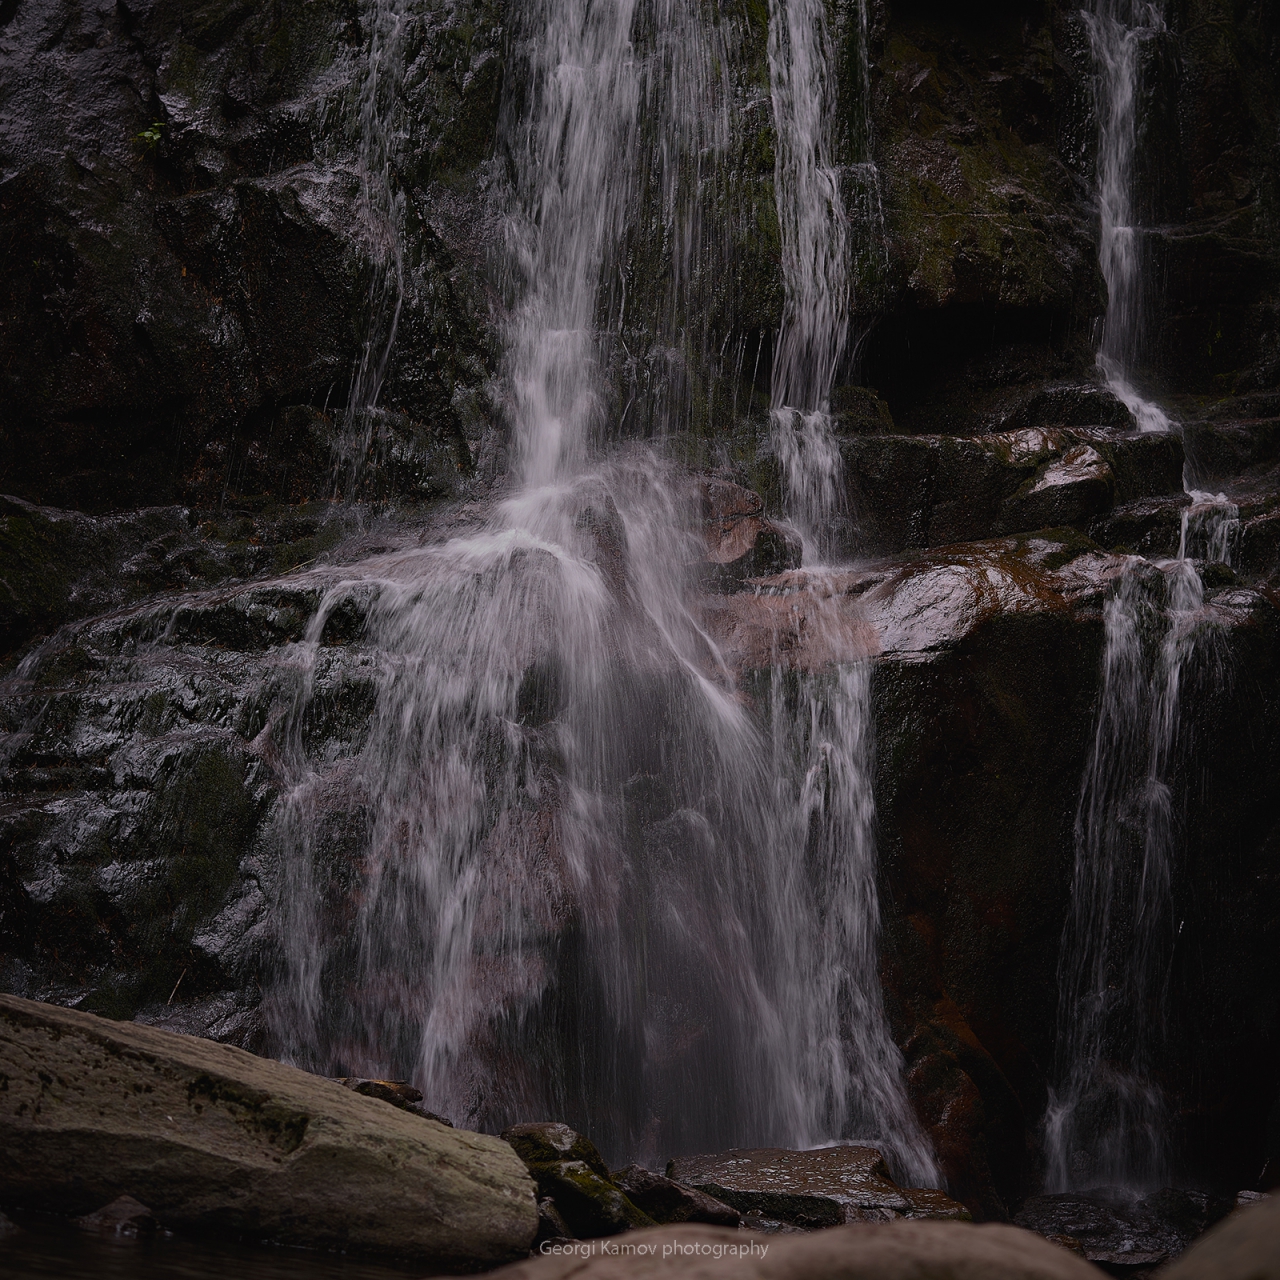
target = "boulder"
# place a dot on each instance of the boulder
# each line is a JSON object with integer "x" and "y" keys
{"x": 399, "y": 1093}
{"x": 1146, "y": 526}
{"x": 571, "y": 1174}
{"x": 1244, "y": 1247}
{"x": 666, "y": 1201}
{"x": 215, "y": 1139}
{"x": 823, "y": 1188}
{"x": 742, "y": 542}
{"x": 890, "y": 1251}
{"x": 859, "y": 411}
{"x": 1216, "y": 449}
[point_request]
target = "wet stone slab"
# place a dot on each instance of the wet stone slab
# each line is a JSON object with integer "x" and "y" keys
{"x": 811, "y": 1189}
{"x": 1118, "y": 1231}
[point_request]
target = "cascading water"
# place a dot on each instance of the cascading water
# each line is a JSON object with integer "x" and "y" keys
{"x": 814, "y": 226}
{"x": 825, "y": 719}
{"x": 1108, "y": 1121}
{"x": 587, "y": 882}
{"x": 1118, "y": 31}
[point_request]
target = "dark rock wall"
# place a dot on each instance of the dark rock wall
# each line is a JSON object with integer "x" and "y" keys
{"x": 993, "y": 264}
{"x": 186, "y": 272}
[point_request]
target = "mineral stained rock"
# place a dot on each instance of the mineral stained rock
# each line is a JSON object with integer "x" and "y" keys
{"x": 212, "y": 1138}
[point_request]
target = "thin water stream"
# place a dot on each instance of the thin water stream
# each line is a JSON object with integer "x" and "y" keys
{"x": 1109, "y": 1123}
{"x": 379, "y": 116}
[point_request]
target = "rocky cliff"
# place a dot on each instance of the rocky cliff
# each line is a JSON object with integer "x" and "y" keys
{"x": 189, "y": 262}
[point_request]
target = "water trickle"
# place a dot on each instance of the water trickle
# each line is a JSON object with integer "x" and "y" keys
{"x": 380, "y": 116}
{"x": 1118, "y": 31}
{"x": 567, "y": 871}
{"x": 1108, "y": 1121}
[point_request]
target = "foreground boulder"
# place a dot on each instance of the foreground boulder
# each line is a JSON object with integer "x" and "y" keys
{"x": 212, "y": 1138}
{"x": 811, "y": 1189}
{"x": 1244, "y": 1247}
{"x": 889, "y": 1251}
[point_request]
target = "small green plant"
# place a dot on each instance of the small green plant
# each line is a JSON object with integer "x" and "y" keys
{"x": 151, "y": 135}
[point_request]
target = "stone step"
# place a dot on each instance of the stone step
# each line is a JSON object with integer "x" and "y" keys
{"x": 930, "y": 491}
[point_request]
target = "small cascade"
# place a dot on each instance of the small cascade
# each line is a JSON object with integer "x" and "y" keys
{"x": 1108, "y": 1122}
{"x": 582, "y": 879}
{"x": 1118, "y": 31}
{"x": 815, "y": 230}
{"x": 380, "y": 109}
{"x": 824, "y": 720}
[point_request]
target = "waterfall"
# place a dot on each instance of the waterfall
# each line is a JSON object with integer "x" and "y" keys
{"x": 1108, "y": 1121}
{"x": 1118, "y": 30}
{"x": 568, "y": 872}
{"x": 826, "y": 720}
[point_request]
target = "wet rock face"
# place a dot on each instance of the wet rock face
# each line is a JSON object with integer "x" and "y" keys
{"x": 992, "y": 268}
{"x": 1206, "y": 187}
{"x": 1121, "y": 1232}
{"x": 187, "y": 268}
{"x": 929, "y": 491}
{"x": 61, "y": 566}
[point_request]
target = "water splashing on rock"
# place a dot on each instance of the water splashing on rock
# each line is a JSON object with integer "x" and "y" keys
{"x": 1108, "y": 1122}
{"x": 568, "y": 870}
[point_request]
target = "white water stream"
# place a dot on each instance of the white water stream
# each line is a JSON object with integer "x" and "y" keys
{"x": 1118, "y": 31}
{"x": 1108, "y": 1122}
{"x": 588, "y": 882}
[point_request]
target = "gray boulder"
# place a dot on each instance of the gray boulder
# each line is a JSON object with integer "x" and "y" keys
{"x": 213, "y": 1138}
{"x": 890, "y": 1251}
{"x": 1244, "y": 1247}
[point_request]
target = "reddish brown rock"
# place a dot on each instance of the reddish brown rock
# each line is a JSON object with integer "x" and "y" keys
{"x": 742, "y": 543}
